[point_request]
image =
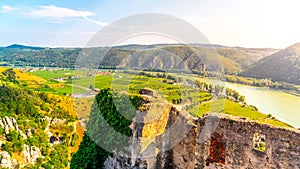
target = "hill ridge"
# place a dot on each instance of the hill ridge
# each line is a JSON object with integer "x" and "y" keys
{"x": 282, "y": 66}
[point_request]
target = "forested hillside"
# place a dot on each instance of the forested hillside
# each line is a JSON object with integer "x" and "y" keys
{"x": 168, "y": 57}
{"x": 37, "y": 129}
{"x": 283, "y": 66}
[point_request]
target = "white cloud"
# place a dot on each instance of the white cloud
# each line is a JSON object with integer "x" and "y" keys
{"x": 96, "y": 22}
{"x": 57, "y": 12}
{"x": 6, "y": 8}
{"x": 60, "y": 15}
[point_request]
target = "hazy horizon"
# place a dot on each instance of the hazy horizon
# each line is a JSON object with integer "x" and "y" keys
{"x": 29, "y": 45}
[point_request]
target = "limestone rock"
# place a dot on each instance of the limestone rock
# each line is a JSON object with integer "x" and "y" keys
{"x": 9, "y": 122}
{"x": 31, "y": 154}
{"x": 1, "y": 123}
{"x": 57, "y": 121}
{"x": 5, "y": 160}
{"x": 46, "y": 118}
{"x": 28, "y": 132}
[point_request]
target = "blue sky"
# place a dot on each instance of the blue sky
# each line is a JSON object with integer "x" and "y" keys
{"x": 252, "y": 23}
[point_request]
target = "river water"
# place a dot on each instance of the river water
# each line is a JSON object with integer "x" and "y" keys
{"x": 283, "y": 106}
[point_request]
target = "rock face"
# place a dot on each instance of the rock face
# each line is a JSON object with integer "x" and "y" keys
{"x": 212, "y": 141}
{"x": 10, "y": 124}
{"x": 31, "y": 154}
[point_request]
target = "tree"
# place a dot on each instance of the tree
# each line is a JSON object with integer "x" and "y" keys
{"x": 89, "y": 155}
{"x": 91, "y": 87}
{"x": 235, "y": 95}
{"x": 13, "y": 136}
{"x": 1, "y": 130}
{"x": 174, "y": 101}
{"x": 228, "y": 92}
{"x": 10, "y": 75}
{"x": 180, "y": 79}
{"x": 218, "y": 89}
{"x": 242, "y": 99}
{"x": 209, "y": 88}
{"x": 199, "y": 84}
{"x": 59, "y": 156}
{"x": 110, "y": 111}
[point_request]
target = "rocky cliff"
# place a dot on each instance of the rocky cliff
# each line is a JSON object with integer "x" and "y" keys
{"x": 173, "y": 139}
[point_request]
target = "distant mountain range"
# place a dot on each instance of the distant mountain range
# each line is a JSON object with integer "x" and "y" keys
{"x": 158, "y": 56}
{"x": 17, "y": 46}
{"x": 283, "y": 66}
{"x": 279, "y": 65}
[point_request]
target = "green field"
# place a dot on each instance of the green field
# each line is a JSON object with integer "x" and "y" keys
{"x": 56, "y": 87}
{"x": 234, "y": 109}
{"x": 134, "y": 83}
{"x": 47, "y": 74}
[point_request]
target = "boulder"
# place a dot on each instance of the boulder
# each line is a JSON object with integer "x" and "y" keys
{"x": 28, "y": 132}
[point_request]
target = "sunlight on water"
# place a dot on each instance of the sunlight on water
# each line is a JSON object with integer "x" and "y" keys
{"x": 283, "y": 106}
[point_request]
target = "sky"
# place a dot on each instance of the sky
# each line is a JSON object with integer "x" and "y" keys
{"x": 69, "y": 23}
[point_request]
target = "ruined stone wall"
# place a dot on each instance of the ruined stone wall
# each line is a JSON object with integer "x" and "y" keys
{"x": 282, "y": 145}
{"x": 231, "y": 141}
{"x": 217, "y": 141}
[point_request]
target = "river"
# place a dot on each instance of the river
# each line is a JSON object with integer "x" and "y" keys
{"x": 283, "y": 106}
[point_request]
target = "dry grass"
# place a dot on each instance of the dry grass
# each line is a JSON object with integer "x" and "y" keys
{"x": 80, "y": 132}
{"x": 83, "y": 107}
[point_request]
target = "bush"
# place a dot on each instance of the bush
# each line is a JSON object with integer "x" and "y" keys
{"x": 7, "y": 147}
{"x": 13, "y": 136}
{"x": 2, "y": 130}
{"x": 74, "y": 139}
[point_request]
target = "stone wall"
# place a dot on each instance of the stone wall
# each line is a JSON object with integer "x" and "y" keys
{"x": 214, "y": 141}
{"x": 282, "y": 145}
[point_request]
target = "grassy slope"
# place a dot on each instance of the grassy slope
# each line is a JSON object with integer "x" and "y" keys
{"x": 55, "y": 86}
{"x": 235, "y": 109}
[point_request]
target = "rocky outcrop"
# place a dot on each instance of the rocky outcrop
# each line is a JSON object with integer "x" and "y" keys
{"x": 212, "y": 141}
{"x": 10, "y": 124}
{"x": 31, "y": 154}
{"x": 52, "y": 120}
{"x": 118, "y": 162}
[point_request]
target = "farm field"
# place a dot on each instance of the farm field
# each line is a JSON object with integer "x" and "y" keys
{"x": 134, "y": 83}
